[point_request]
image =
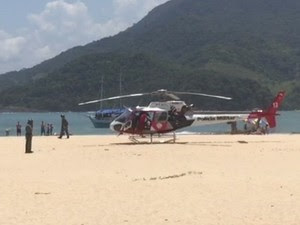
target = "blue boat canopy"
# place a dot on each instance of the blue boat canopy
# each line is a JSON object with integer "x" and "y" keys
{"x": 110, "y": 111}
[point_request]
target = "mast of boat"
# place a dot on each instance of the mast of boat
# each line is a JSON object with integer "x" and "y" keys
{"x": 120, "y": 85}
{"x": 101, "y": 91}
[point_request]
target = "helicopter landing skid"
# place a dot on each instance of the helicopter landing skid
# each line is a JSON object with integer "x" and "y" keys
{"x": 138, "y": 139}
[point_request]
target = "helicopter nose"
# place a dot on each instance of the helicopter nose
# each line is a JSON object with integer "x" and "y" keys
{"x": 116, "y": 126}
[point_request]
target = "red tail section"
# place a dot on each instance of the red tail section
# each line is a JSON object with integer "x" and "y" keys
{"x": 270, "y": 113}
{"x": 276, "y": 103}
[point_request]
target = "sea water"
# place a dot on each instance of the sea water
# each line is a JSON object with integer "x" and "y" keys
{"x": 79, "y": 123}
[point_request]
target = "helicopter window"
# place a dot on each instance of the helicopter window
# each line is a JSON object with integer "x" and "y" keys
{"x": 150, "y": 115}
{"x": 161, "y": 116}
{"x": 123, "y": 117}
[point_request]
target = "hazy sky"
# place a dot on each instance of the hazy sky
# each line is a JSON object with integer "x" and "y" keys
{"x": 34, "y": 30}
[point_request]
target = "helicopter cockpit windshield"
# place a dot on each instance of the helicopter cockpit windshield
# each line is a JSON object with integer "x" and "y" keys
{"x": 124, "y": 116}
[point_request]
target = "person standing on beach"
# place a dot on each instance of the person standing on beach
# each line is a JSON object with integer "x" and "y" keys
{"x": 64, "y": 127}
{"x": 28, "y": 136}
{"x": 18, "y": 126}
{"x": 51, "y": 129}
{"x": 48, "y": 129}
{"x": 42, "y": 128}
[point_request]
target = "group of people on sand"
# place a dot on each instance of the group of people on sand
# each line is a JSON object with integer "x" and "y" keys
{"x": 258, "y": 126}
{"x": 46, "y": 129}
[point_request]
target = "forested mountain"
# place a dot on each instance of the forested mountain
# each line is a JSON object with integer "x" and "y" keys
{"x": 244, "y": 49}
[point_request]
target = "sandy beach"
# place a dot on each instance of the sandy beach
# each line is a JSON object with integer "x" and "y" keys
{"x": 201, "y": 179}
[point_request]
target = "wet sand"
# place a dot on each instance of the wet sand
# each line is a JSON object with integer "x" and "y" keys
{"x": 201, "y": 179}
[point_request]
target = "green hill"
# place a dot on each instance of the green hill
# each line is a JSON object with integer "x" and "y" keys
{"x": 244, "y": 49}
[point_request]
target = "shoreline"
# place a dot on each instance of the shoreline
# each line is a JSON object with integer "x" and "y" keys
{"x": 184, "y": 133}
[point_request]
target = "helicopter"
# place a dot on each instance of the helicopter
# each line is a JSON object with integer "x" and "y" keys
{"x": 163, "y": 103}
{"x": 168, "y": 116}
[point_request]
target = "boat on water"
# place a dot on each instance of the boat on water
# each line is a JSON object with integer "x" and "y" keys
{"x": 103, "y": 117}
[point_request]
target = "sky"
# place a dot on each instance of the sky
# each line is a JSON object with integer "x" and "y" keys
{"x": 32, "y": 31}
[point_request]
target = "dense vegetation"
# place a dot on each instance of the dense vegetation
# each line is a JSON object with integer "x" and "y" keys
{"x": 246, "y": 50}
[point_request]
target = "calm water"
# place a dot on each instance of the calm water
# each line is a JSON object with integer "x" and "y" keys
{"x": 79, "y": 123}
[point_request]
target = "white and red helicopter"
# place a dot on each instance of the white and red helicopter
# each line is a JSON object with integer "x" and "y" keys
{"x": 168, "y": 116}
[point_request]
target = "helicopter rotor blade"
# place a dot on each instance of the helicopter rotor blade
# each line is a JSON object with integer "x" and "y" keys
{"x": 161, "y": 93}
{"x": 113, "y": 98}
{"x": 202, "y": 94}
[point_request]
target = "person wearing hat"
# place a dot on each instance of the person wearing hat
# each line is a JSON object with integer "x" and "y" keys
{"x": 64, "y": 127}
{"x": 28, "y": 136}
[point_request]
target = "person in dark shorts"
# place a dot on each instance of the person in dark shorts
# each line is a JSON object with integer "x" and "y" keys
{"x": 42, "y": 128}
{"x": 19, "y": 131}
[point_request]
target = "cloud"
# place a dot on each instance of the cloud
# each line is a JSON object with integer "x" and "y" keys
{"x": 62, "y": 25}
{"x": 3, "y": 34}
{"x": 60, "y": 16}
{"x": 66, "y": 23}
{"x": 10, "y": 47}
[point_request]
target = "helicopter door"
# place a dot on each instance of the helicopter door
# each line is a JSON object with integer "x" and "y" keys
{"x": 160, "y": 121}
{"x": 144, "y": 121}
